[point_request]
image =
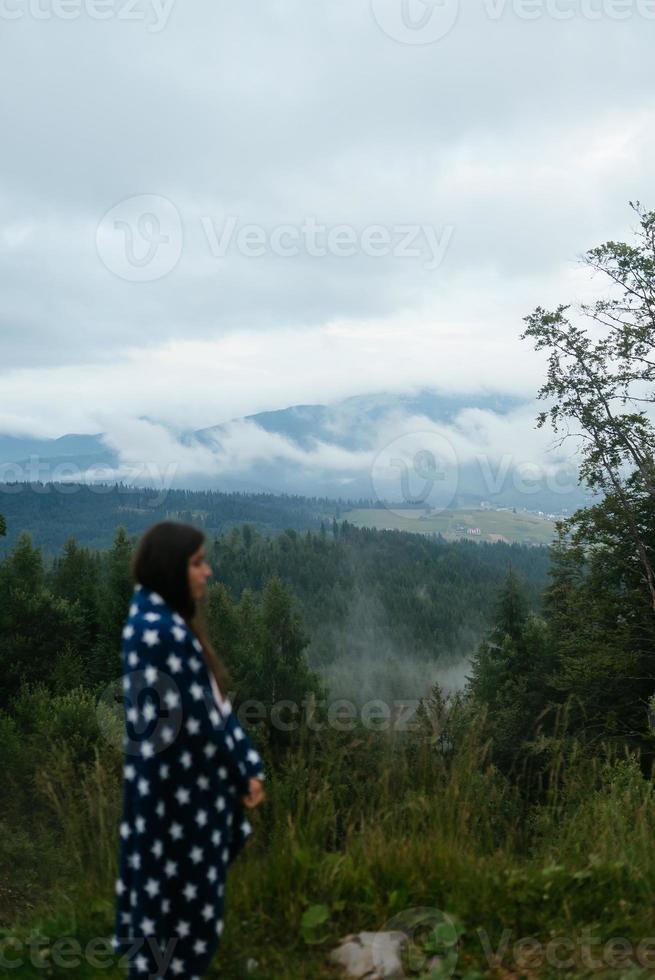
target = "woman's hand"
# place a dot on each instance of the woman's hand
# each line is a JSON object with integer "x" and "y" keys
{"x": 256, "y": 794}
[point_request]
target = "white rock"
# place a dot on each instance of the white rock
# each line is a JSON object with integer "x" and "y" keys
{"x": 371, "y": 955}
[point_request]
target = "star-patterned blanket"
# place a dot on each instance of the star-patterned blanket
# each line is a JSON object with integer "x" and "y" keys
{"x": 187, "y": 762}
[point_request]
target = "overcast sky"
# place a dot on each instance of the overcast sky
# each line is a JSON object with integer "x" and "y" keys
{"x": 417, "y": 179}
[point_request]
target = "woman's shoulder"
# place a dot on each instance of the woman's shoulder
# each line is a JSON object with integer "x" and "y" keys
{"x": 153, "y": 626}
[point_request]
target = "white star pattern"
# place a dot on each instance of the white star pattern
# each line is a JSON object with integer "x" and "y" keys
{"x": 203, "y": 771}
{"x": 149, "y": 711}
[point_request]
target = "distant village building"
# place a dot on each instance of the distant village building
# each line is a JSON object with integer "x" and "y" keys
{"x": 473, "y": 530}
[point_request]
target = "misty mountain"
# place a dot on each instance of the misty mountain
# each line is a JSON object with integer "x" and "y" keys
{"x": 335, "y": 450}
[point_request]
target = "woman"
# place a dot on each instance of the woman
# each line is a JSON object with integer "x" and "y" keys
{"x": 189, "y": 767}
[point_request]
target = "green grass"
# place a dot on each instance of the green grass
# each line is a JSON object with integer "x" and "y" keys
{"x": 494, "y": 525}
{"x": 361, "y": 828}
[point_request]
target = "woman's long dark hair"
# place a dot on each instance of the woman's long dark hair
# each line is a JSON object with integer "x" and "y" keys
{"x": 160, "y": 564}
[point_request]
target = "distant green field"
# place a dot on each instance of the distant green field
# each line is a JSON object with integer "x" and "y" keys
{"x": 453, "y": 524}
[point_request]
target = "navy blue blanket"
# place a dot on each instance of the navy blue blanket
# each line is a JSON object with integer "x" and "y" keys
{"x": 187, "y": 763}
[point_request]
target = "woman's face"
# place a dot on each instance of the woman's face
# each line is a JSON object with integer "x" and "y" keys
{"x": 199, "y": 572}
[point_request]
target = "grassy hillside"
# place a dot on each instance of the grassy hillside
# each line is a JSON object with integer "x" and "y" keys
{"x": 519, "y": 527}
